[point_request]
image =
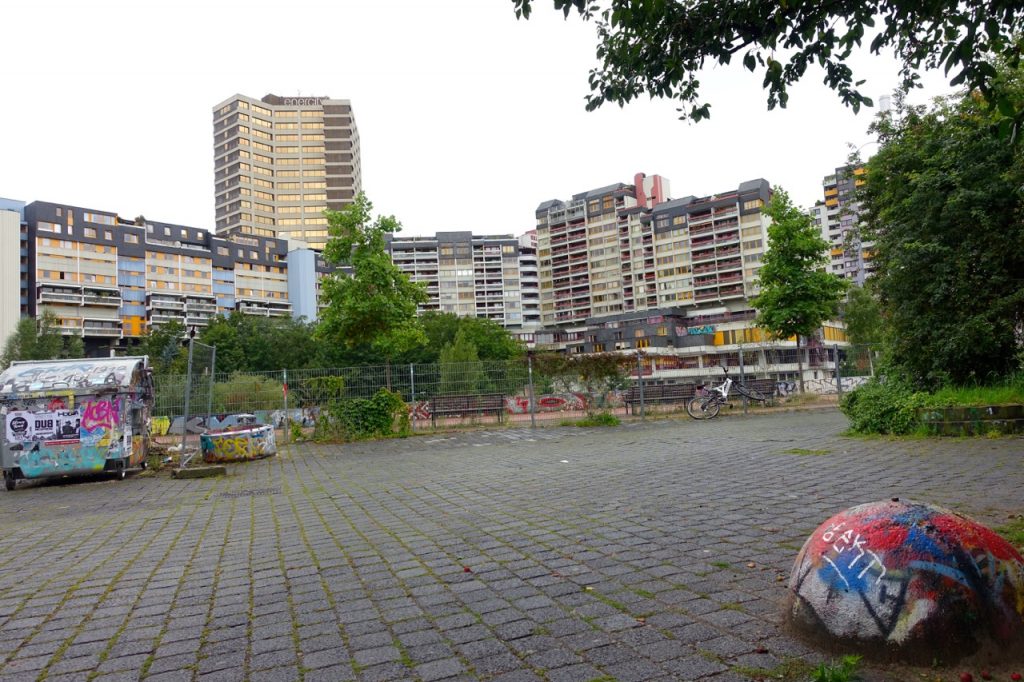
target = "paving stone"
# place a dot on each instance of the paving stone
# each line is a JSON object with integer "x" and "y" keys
{"x": 382, "y": 530}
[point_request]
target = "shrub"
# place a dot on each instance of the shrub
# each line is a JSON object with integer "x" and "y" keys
{"x": 887, "y": 406}
{"x": 598, "y": 419}
{"x": 360, "y": 418}
{"x": 246, "y": 393}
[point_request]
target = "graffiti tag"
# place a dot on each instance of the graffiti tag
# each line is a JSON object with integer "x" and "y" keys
{"x": 101, "y": 413}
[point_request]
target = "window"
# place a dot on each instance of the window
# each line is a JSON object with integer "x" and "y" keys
{"x": 108, "y": 235}
{"x": 90, "y": 232}
{"x": 131, "y": 239}
{"x": 643, "y": 343}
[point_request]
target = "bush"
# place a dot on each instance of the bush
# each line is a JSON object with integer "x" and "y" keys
{"x": 887, "y": 406}
{"x": 360, "y": 418}
{"x": 247, "y": 393}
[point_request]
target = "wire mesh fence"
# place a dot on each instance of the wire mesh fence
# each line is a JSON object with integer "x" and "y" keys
{"x": 520, "y": 390}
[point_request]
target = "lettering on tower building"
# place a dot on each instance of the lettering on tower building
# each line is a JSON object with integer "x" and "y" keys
{"x": 303, "y": 101}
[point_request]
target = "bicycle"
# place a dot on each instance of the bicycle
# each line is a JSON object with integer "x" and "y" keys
{"x": 707, "y": 406}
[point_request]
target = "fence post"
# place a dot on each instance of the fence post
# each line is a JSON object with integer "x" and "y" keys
{"x": 839, "y": 376}
{"x": 742, "y": 381}
{"x": 532, "y": 401}
{"x": 412, "y": 396}
{"x": 213, "y": 379}
{"x": 640, "y": 384}
{"x": 188, "y": 395}
{"x": 871, "y": 360}
{"x": 285, "y": 426}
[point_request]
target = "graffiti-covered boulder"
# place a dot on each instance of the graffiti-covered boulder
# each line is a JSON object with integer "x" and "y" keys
{"x": 907, "y": 581}
{"x": 240, "y": 444}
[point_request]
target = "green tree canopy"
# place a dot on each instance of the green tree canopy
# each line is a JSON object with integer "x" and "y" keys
{"x": 862, "y": 314}
{"x": 797, "y": 294}
{"x": 943, "y": 204}
{"x": 250, "y": 343}
{"x": 164, "y": 347}
{"x": 460, "y": 366}
{"x": 492, "y": 341}
{"x": 659, "y": 47}
{"x": 376, "y": 304}
{"x": 40, "y": 339}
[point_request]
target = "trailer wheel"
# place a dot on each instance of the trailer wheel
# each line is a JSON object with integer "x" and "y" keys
{"x": 9, "y": 481}
{"x": 121, "y": 472}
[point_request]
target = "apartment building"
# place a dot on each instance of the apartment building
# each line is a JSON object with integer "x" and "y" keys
{"x": 671, "y": 278}
{"x": 280, "y": 161}
{"x": 110, "y": 279}
{"x": 466, "y": 274}
{"x": 595, "y": 255}
{"x": 14, "y": 259}
{"x": 838, "y": 217}
{"x": 529, "y": 284}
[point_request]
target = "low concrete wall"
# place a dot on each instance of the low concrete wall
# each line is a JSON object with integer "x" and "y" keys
{"x": 973, "y": 421}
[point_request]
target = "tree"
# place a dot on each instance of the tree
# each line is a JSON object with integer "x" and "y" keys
{"x": 943, "y": 204}
{"x": 659, "y": 47}
{"x": 40, "y": 339}
{"x": 460, "y": 366}
{"x": 797, "y": 294}
{"x": 862, "y": 314}
{"x": 376, "y": 304}
{"x": 163, "y": 345}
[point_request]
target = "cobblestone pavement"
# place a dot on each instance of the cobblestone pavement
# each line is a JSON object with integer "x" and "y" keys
{"x": 651, "y": 551}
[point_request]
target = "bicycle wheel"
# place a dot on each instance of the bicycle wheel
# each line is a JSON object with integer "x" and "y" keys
{"x": 751, "y": 393}
{"x": 703, "y": 407}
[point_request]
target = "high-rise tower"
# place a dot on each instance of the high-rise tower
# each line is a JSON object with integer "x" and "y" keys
{"x": 280, "y": 161}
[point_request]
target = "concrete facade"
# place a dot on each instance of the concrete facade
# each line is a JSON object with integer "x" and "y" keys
{"x": 279, "y": 162}
{"x": 13, "y": 265}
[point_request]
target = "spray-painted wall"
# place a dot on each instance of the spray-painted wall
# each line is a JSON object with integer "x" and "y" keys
{"x": 72, "y": 417}
{"x": 909, "y": 580}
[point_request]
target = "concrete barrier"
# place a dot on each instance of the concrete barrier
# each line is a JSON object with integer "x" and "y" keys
{"x": 909, "y": 582}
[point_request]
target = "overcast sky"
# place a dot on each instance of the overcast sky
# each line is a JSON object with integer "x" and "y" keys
{"x": 468, "y": 117}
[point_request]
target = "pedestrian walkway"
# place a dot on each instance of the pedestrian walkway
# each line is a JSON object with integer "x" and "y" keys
{"x": 649, "y": 551}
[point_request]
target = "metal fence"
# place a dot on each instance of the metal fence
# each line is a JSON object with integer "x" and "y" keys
{"x": 527, "y": 392}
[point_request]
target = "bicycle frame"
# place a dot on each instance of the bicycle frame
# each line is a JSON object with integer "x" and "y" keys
{"x": 722, "y": 390}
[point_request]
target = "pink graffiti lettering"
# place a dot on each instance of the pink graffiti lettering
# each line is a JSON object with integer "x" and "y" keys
{"x": 100, "y": 413}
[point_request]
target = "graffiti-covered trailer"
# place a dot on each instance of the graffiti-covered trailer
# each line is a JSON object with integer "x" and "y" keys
{"x": 66, "y": 417}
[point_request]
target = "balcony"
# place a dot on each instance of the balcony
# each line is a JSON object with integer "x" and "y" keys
{"x": 163, "y": 318}
{"x": 197, "y": 321}
{"x": 95, "y": 329}
{"x": 59, "y": 297}
{"x": 166, "y": 304}
{"x": 93, "y": 299}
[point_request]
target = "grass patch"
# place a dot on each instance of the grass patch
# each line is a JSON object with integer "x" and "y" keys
{"x": 645, "y": 594}
{"x": 599, "y": 419}
{"x": 1008, "y": 392}
{"x": 805, "y": 452}
{"x": 1014, "y": 532}
{"x": 721, "y": 564}
{"x": 843, "y": 671}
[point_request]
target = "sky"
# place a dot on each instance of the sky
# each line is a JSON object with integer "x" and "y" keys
{"x": 468, "y": 118}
